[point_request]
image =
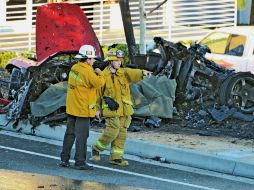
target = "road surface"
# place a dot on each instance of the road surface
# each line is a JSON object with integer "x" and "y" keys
{"x": 29, "y": 162}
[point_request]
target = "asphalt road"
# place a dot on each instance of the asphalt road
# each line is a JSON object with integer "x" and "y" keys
{"x": 22, "y": 161}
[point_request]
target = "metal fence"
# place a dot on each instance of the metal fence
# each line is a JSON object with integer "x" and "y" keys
{"x": 174, "y": 20}
{"x": 192, "y": 18}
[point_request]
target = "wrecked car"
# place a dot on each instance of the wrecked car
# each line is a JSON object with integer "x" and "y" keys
{"x": 61, "y": 29}
{"x": 200, "y": 78}
{"x": 58, "y": 40}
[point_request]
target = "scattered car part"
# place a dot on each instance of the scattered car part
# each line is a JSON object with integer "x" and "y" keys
{"x": 152, "y": 122}
{"x": 222, "y": 113}
{"x": 15, "y": 107}
{"x": 54, "y": 118}
{"x": 134, "y": 128}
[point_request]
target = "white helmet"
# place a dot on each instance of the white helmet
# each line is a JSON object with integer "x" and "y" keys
{"x": 86, "y": 51}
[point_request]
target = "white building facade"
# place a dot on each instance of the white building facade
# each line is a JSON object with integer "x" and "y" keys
{"x": 175, "y": 20}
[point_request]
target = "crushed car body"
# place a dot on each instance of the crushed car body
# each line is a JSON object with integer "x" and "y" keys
{"x": 200, "y": 78}
{"x": 61, "y": 29}
{"x": 187, "y": 72}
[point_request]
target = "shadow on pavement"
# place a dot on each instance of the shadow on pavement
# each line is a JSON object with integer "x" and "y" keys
{"x": 13, "y": 180}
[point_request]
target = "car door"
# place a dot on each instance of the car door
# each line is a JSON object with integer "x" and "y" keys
{"x": 227, "y": 50}
{"x": 250, "y": 66}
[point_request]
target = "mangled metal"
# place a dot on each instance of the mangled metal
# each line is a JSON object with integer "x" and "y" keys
{"x": 15, "y": 107}
{"x": 195, "y": 76}
{"x": 200, "y": 78}
{"x": 63, "y": 27}
{"x": 59, "y": 35}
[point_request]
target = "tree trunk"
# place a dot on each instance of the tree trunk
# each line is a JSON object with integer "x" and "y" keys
{"x": 128, "y": 29}
{"x": 252, "y": 13}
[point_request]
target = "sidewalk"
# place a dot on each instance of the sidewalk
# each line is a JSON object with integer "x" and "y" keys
{"x": 223, "y": 157}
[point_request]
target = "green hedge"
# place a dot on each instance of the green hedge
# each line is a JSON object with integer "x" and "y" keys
{"x": 122, "y": 47}
{"x": 5, "y": 56}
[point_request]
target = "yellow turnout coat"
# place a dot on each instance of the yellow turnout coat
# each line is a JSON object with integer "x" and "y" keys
{"x": 81, "y": 94}
{"x": 117, "y": 86}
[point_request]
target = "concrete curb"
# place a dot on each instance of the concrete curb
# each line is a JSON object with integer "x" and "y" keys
{"x": 190, "y": 158}
{"x": 148, "y": 150}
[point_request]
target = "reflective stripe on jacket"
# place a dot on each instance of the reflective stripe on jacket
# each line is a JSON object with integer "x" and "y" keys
{"x": 117, "y": 86}
{"x": 82, "y": 86}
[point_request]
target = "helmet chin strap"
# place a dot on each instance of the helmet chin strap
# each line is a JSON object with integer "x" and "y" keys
{"x": 112, "y": 68}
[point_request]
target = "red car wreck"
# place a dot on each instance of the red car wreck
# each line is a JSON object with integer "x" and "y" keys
{"x": 61, "y": 29}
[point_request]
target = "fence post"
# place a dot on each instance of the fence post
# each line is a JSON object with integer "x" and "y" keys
{"x": 101, "y": 21}
{"x": 142, "y": 35}
{"x": 170, "y": 18}
{"x": 235, "y": 11}
{"x": 29, "y": 19}
{"x": 3, "y": 12}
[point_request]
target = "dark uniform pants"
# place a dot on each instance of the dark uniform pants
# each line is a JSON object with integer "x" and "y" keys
{"x": 77, "y": 128}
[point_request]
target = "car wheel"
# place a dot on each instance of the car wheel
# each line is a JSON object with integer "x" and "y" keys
{"x": 238, "y": 91}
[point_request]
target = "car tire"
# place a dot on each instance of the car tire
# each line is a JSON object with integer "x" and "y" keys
{"x": 237, "y": 91}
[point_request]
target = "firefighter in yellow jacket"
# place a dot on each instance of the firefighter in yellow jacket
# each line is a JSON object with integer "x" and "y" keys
{"x": 115, "y": 105}
{"x": 81, "y": 98}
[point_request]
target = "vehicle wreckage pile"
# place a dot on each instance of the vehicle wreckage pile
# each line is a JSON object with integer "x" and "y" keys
{"x": 210, "y": 99}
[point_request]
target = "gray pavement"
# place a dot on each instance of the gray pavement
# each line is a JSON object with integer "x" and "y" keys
{"x": 219, "y": 162}
{"x": 28, "y": 180}
{"x": 37, "y": 155}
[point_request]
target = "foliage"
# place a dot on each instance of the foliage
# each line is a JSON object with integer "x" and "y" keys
{"x": 122, "y": 47}
{"x": 186, "y": 43}
{"x": 241, "y": 4}
{"x": 5, "y": 56}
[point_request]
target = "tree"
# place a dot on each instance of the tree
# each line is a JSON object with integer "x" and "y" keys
{"x": 241, "y": 4}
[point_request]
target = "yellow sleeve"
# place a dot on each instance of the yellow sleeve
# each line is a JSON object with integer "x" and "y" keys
{"x": 96, "y": 81}
{"x": 134, "y": 75}
{"x": 99, "y": 93}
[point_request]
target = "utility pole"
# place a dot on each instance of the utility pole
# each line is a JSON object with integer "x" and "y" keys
{"x": 128, "y": 27}
{"x": 142, "y": 34}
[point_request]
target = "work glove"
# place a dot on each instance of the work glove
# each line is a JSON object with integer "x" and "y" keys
{"x": 112, "y": 104}
{"x": 97, "y": 70}
{"x": 100, "y": 64}
{"x": 147, "y": 73}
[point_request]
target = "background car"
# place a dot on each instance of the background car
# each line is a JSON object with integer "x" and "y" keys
{"x": 232, "y": 47}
